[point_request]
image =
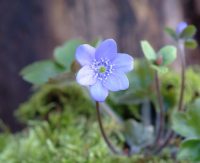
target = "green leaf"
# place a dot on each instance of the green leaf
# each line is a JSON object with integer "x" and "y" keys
{"x": 191, "y": 44}
{"x": 187, "y": 124}
{"x": 168, "y": 54}
{"x": 64, "y": 55}
{"x": 160, "y": 69}
{"x": 180, "y": 124}
{"x": 137, "y": 134}
{"x": 148, "y": 51}
{"x": 171, "y": 32}
{"x": 190, "y": 150}
{"x": 188, "y": 32}
{"x": 140, "y": 81}
{"x": 63, "y": 78}
{"x": 96, "y": 42}
{"x": 39, "y": 72}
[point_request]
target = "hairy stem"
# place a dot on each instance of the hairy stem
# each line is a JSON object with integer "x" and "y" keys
{"x": 168, "y": 138}
{"x": 182, "y": 51}
{"x": 161, "y": 111}
{"x": 171, "y": 134}
{"x": 110, "y": 145}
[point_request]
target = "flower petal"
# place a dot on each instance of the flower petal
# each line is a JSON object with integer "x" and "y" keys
{"x": 106, "y": 49}
{"x": 98, "y": 92}
{"x": 85, "y": 54}
{"x": 86, "y": 76}
{"x": 116, "y": 81}
{"x": 181, "y": 26}
{"x": 123, "y": 62}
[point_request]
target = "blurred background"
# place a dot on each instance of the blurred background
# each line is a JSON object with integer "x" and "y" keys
{"x": 30, "y": 30}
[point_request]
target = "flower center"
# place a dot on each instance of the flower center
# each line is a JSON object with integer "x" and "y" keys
{"x": 102, "y": 68}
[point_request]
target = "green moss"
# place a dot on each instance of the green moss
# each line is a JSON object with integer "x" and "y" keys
{"x": 79, "y": 142}
{"x": 192, "y": 84}
{"x": 54, "y": 103}
{"x": 171, "y": 87}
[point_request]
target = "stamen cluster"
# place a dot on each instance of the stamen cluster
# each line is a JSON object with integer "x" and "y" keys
{"x": 102, "y": 68}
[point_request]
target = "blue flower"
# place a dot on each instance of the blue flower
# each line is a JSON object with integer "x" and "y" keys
{"x": 180, "y": 27}
{"x": 103, "y": 69}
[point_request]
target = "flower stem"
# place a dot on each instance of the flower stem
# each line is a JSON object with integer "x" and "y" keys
{"x": 171, "y": 134}
{"x": 110, "y": 145}
{"x": 161, "y": 112}
{"x": 182, "y": 51}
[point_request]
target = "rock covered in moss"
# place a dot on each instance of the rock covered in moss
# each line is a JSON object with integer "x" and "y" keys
{"x": 56, "y": 104}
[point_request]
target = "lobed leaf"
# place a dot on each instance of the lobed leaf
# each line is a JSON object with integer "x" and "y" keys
{"x": 160, "y": 69}
{"x": 188, "y": 32}
{"x": 190, "y": 150}
{"x": 140, "y": 81}
{"x": 148, "y": 51}
{"x": 171, "y": 32}
{"x": 39, "y": 72}
{"x": 96, "y": 42}
{"x": 168, "y": 54}
{"x": 64, "y": 55}
{"x": 191, "y": 44}
{"x": 137, "y": 135}
{"x": 187, "y": 124}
